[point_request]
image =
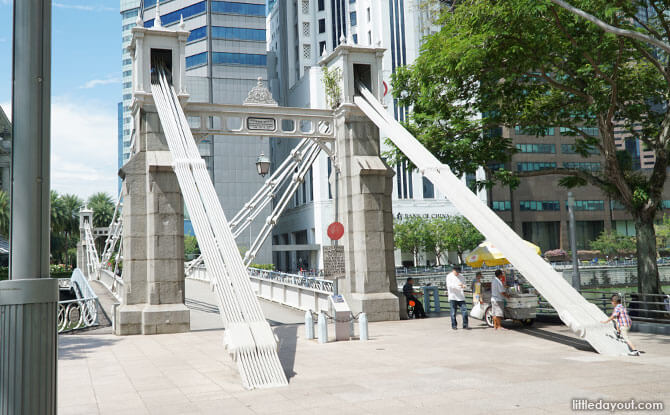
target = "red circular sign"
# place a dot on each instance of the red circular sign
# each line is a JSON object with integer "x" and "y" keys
{"x": 335, "y": 231}
{"x": 386, "y": 88}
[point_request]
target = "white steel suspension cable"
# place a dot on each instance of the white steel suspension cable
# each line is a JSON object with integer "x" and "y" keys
{"x": 264, "y": 195}
{"x": 265, "y": 343}
{"x": 253, "y": 341}
{"x": 580, "y": 315}
{"x": 312, "y": 152}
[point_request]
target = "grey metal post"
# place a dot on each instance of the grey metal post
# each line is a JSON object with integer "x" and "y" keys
{"x": 28, "y": 301}
{"x": 576, "y": 282}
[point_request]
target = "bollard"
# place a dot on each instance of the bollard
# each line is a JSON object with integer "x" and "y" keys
{"x": 323, "y": 328}
{"x": 309, "y": 325}
{"x": 363, "y": 326}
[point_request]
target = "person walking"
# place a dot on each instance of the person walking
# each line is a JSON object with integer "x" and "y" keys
{"x": 477, "y": 289}
{"x": 455, "y": 287}
{"x": 497, "y": 299}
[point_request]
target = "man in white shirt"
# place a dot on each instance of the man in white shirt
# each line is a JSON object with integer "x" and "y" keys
{"x": 455, "y": 287}
{"x": 498, "y": 293}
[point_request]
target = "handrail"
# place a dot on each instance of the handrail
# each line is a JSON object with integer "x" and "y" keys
{"x": 82, "y": 311}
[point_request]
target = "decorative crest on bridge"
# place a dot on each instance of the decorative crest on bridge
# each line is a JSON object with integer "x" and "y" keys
{"x": 260, "y": 95}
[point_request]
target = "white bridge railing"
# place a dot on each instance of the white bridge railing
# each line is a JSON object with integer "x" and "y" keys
{"x": 80, "y": 312}
{"x": 297, "y": 291}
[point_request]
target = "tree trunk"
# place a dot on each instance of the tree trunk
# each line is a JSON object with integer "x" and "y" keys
{"x": 647, "y": 268}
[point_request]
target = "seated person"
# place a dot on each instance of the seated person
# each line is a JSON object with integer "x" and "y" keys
{"x": 408, "y": 290}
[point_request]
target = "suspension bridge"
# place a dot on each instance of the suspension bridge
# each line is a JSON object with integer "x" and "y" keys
{"x": 166, "y": 173}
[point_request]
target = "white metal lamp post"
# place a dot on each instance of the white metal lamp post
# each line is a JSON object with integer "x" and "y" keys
{"x": 576, "y": 283}
{"x": 263, "y": 164}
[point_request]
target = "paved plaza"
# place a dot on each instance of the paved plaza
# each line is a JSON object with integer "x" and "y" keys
{"x": 408, "y": 367}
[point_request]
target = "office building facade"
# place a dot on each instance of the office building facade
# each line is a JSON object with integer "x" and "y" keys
{"x": 225, "y": 57}
{"x": 129, "y": 12}
{"x": 299, "y": 33}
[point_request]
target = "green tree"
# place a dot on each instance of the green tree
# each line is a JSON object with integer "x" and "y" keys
{"x": 610, "y": 243}
{"x": 532, "y": 64}
{"x": 4, "y": 214}
{"x": 102, "y": 205}
{"x": 663, "y": 232}
{"x": 461, "y": 236}
{"x": 410, "y": 235}
{"x": 191, "y": 245}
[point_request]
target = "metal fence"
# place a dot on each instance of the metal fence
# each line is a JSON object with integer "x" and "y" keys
{"x": 80, "y": 312}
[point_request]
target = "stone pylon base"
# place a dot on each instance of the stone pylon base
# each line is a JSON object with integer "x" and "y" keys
{"x": 152, "y": 319}
{"x": 377, "y": 306}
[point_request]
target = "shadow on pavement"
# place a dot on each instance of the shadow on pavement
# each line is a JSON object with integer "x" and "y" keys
{"x": 77, "y": 347}
{"x": 578, "y": 344}
{"x": 288, "y": 339}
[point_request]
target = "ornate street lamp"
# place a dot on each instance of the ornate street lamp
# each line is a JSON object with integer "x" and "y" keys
{"x": 263, "y": 164}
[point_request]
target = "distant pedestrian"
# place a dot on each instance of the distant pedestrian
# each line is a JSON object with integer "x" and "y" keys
{"x": 623, "y": 323}
{"x": 408, "y": 290}
{"x": 498, "y": 294}
{"x": 477, "y": 288}
{"x": 455, "y": 287}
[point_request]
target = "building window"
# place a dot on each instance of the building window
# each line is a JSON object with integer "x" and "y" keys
{"x": 592, "y": 131}
{"x": 368, "y": 13}
{"x": 226, "y": 58}
{"x": 127, "y": 84}
{"x": 322, "y": 25}
{"x": 127, "y": 96}
{"x": 196, "y": 60}
{"x": 588, "y": 205}
{"x": 237, "y": 33}
{"x": 587, "y": 166}
{"x": 196, "y": 34}
{"x": 539, "y": 205}
{"x": 186, "y": 12}
{"x": 616, "y": 205}
{"x": 322, "y": 48}
{"x": 526, "y": 131}
{"x": 502, "y": 205}
{"x": 355, "y": 38}
{"x": 536, "y": 148}
{"x": 369, "y": 37}
{"x": 305, "y": 29}
{"x": 321, "y": 5}
{"x": 127, "y": 73}
{"x": 535, "y": 166}
{"x": 571, "y": 149}
{"x": 428, "y": 189}
{"x": 352, "y": 18}
{"x": 305, "y": 6}
{"x": 130, "y": 14}
{"x": 127, "y": 61}
{"x": 247, "y": 9}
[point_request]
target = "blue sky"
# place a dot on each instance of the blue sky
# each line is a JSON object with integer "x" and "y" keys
{"x": 85, "y": 90}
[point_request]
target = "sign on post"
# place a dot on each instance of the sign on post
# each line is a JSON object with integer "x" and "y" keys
{"x": 333, "y": 261}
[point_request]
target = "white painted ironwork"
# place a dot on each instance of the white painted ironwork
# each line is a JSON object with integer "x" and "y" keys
{"x": 81, "y": 312}
{"x": 248, "y": 336}
{"x": 297, "y": 291}
{"x": 581, "y": 316}
{"x": 92, "y": 259}
{"x": 115, "y": 230}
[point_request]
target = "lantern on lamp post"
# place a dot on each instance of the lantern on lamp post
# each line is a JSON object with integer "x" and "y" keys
{"x": 263, "y": 164}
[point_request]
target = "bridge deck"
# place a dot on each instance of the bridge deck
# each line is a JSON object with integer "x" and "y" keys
{"x": 416, "y": 366}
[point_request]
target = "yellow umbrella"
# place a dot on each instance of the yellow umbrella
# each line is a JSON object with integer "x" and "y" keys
{"x": 488, "y": 254}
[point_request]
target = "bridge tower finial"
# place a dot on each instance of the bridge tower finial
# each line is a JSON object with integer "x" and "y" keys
{"x": 157, "y": 19}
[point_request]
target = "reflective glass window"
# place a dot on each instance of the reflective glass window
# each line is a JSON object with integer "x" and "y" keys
{"x": 237, "y": 33}
{"x": 186, "y": 12}
{"x": 226, "y": 58}
{"x": 539, "y": 205}
{"x": 238, "y": 8}
{"x": 198, "y": 33}
{"x": 535, "y": 166}
{"x": 196, "y": 60}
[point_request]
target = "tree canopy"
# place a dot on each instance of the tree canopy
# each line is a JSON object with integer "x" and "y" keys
{"x": 533, "y": 65}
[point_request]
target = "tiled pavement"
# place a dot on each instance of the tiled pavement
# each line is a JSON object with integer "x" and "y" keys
{"x": 408, "y": 367}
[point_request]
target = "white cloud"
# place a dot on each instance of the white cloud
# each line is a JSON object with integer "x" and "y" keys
{"x": 83, "y": 147}
{"x": 96, "y": 82}
{"x": 87, "y": 8}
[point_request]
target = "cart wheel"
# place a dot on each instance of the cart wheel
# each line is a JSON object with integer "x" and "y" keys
{"x": 528, "y": 322}
{"x": 488, "y": 316}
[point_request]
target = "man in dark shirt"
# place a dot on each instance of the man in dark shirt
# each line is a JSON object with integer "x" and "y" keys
{"x": 408, "y": 290}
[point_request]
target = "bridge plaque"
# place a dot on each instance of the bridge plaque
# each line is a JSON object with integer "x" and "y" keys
{"x": 261, "y": 124}
{"x": 333, "y": 261}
